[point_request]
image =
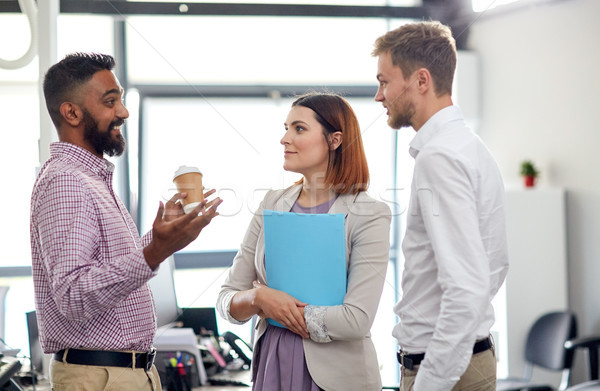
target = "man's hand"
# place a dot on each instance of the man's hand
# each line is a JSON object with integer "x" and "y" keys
{"x": 282, "y": 308}
{"x": 174, "y": 207}
{"x": 172, "y": 231}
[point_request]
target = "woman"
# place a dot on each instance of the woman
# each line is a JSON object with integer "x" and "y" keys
{"x": 323, "y": 347}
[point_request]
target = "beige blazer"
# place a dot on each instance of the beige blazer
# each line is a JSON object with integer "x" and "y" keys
{"x": 349, "y": 361}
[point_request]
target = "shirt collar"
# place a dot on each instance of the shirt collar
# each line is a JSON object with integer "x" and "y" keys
{"x": 82, "y": 156}
{"x": 432, "y": 127}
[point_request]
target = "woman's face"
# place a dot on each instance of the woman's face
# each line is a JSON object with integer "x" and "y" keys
{"x": 305, "y": 149}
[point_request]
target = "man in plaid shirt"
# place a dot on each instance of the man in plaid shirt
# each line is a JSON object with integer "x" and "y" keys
{"x": 90, "y": 266}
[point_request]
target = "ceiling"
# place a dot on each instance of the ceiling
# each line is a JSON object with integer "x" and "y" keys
{"x": 457, "y": 14}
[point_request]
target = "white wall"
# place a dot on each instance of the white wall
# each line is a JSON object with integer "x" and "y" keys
{"x": 540, "y": 81}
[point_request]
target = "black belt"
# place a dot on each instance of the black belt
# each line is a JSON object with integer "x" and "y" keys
{"x": 409, "y": 361}
{"x": 104, "y": 358}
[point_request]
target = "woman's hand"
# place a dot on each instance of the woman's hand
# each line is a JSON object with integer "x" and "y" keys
{"x": 282, "y": 308}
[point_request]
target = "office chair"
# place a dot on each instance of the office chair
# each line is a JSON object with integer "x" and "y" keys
{"x": 545, "y": 347}
{"x": 591, "y": 344}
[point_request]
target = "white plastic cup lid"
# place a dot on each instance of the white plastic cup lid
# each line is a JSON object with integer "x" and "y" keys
{"x": 186, "y": 170}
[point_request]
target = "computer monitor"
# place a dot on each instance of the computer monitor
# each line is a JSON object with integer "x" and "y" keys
{"x": 163, "y": 290}
{"x": 202, "y": 319}
{"x": 35, "y": 348}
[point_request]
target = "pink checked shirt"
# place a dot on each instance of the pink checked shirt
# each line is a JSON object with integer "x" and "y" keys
{"x": 89, "y": 271}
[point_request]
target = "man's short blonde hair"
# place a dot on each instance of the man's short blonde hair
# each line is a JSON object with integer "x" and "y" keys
{"x": 427, "y": 45}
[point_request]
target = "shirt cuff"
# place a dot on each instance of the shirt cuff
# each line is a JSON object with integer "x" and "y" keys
{"x": 315, "y": 322}
{"x": 139, "y": 267}
{"x": 427, "y": 381}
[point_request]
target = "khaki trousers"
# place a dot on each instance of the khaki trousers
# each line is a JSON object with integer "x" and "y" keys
{"x": 479, "y": 376}
{"x": 73, "y": 377}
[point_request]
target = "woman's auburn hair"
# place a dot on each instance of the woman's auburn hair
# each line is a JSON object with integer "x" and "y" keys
{"x": 347, "y": 171}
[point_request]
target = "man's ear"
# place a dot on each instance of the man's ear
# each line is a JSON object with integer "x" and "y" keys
{"x": 423, "y": 80}
{"x": 72, "y": 113}
{"x": 335, "y": 140}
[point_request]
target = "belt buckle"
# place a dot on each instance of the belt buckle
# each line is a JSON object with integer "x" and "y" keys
{"x": 150, "y": 356}
{"x": 405, "y": 361}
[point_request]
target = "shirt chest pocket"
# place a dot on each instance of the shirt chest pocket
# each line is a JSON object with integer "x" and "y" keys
{"x": 117, "y": 235}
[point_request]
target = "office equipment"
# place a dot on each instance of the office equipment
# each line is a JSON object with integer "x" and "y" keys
{"x": 35, "y": 348}
{"x": 4, "y": 349}
{"x": 163, "y": 291}
{"x": 7, "y": 350}
{"x": 172, "y": 340}
{"x": 241, "y": 348}
{"x": 305, "y": 256}
{"x": 9, "y": 366}
{"x": 232, "y": 378}
{"x": 545, "y": 347}
{"x": 203, "y": 320}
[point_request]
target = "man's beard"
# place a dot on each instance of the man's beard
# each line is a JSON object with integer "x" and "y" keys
{"x": 102, "y": 142}
{"x": 401, "y": 115}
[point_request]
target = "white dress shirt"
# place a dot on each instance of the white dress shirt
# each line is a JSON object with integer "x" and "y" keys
{"x": 455, "y": 249}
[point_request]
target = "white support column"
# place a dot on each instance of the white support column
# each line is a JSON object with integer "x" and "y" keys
{"x": 48, "y": 11}
{"x": 537, "y": 275}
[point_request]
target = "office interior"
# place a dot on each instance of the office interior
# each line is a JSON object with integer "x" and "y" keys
{"x": 210, "y": 85}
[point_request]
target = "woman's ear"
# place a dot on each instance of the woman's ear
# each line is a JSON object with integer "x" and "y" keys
{"x": 71, "y": 112}
{"x": 335, "y": 140}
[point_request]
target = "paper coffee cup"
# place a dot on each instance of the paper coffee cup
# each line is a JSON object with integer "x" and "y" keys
{"x": 189, "y": 180}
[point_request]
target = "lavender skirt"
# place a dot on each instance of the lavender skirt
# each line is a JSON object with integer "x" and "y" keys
{"x": 280, "y": 364}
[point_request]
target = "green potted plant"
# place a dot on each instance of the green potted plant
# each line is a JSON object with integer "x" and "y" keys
{"x": 529, "y": 173}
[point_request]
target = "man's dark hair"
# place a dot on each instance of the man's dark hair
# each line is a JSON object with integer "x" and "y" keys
{"x": 63, "y": 79}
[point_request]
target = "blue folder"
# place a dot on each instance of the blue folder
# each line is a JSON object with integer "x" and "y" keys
{"x": 305, "y": 256}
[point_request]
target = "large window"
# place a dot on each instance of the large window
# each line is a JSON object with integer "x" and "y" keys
{"x": 235, "y": 142}
{"x": 252, "y": 50}
{"x": 19, "y": 96}
{"x": 233, "y": 139}
{"x": 403, "y": 3}
{"x": 231, "y": 135}
{"x": 485, "y": 5}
